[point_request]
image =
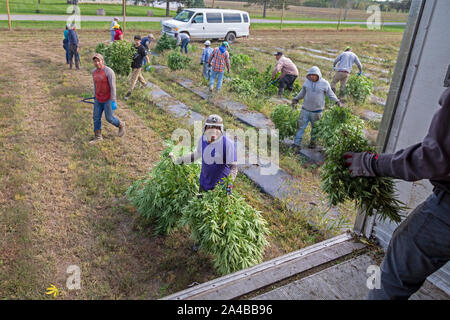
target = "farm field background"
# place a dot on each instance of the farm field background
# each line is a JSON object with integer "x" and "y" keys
{"x": 63, "y": 200}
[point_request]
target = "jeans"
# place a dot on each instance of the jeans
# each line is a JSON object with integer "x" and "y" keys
{"x": 206, "y": 70}
{"x": 99, "y": 107}
{"x": 419, "y": 247}
{"x": 303, "y": 120}
{"x": 212, "y": 79}
{"x": 113, "y": 32}
{"x": 184, "y": 44}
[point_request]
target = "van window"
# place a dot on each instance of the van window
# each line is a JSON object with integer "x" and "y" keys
{"x": 198, "y": 18}
{"x": 184, "y": 16}
{"x": 231, "y": 17}
{"x": 214, "y": 17}
{"x": 245, "y": 17}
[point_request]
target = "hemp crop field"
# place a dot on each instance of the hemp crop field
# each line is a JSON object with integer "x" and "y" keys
{"x": 62, "y": 201}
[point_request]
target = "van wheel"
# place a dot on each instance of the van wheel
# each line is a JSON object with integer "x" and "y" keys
{"x": 230, "y": 37}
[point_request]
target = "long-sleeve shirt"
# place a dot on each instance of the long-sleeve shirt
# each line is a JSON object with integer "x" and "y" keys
{"x": 104, "y": 84}
{"x": 219, "y": 160}
{"x": 73, "y": 37}
{"x": 313, "y": 93}
{"x": 286, "y": 66}
{"x": 218, "y": 60}
{"x": 206, "y": 54}
{"x": 181, "y": 37}
{"x": 429, "y": 159}
{"x": 66, "y": 34}
{"x": 113, "y": 23}
{"x": 346, "y": 60}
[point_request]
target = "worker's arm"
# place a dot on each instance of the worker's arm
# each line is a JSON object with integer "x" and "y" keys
{"x": 227, "y": 60}
{"x": 112, "y": 82}
{"x": 332, "y": 95}
{"x": 300, "y": 96}
{"x": 277, "y": 69}
{"x": 212, "y": 56}
{"x": 358, "y": 63}
{"x": 429, "y": 159}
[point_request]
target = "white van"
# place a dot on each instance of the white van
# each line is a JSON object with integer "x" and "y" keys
{"x": 209, "y": 24}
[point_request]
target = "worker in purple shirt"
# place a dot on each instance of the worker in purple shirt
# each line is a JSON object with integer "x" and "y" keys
{"x": 421, "y": 244}
{"x": 218, "y": 154}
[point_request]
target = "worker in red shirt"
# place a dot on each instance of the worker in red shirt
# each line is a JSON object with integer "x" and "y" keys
{"x": 105, "y": 95}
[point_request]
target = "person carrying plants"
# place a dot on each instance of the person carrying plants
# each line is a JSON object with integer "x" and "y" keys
{"x": 218, "y": 154}
{"x": 73, "y": 47}
{"x": 105, "y": 95}
{"x": 146, "y": 43}
{"x": 421, "y": 244}
{"x": 207, "y": 51}
{"x": 112, "y": 29}
{"x": 313, "y": 94}
{"x": 289, "y": 73}
{"x": 218, "y": 60}
{"x": 183, "y": 40}
{"x": 66, "y": 43}
{"x": 136, "y": 65}
{"x": 346, "y": 61}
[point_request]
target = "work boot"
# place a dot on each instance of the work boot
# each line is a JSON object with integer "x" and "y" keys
{"x": 127, "y": 96}
{"x": 121, "y": 129}
{"x": 98, "y": 137}
{"x": 195, "y": 247}
{"x": 312, "y": 145}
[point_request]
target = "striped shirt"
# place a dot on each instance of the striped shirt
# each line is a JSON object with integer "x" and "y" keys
{"x": 218, "y": 60}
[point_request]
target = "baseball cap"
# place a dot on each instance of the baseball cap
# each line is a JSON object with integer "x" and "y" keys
{"x": 207, "y": 43}
{"x": 137, "y": 37}
{"x": 226, "y": 44}
{"x": 151, "y": 36}
{"x": 279, "y": 53}
{"x": 98, "y": 56}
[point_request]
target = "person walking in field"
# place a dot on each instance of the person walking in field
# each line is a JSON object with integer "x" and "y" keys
{"x": 105, "y": 95}
{"x": 345, "y": 63}
{"x": 183, "y": 40}
{"x": 136, "y": 65}
{"x": 218, "y": 60}
{"x": 421, "y": 243}
{"x": 313, "y": 93}
{"x": 207, "y": 51}
{"x": 146, "y": 43}
{"x": 118, "y": 35}
{"x": 73, "y": 47}
{"x": 289, "y": 73}
{"x": 112, "y": 29}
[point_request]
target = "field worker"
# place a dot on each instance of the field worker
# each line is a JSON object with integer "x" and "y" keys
{"x": 112, "y": 29}
{"x": 313, "y": 94}
{"x": 218, "y": 154}
{"x": 289, "y": 72}
{"x": 207, "y": 51}
{"x": 105, "y": 94}
{"x": 421, "y": 244}
{"x": 73, "y": 47}
{"x": 346, "y": 60}
{"x": 218, "y": 60}
{"x": 146, "y": 43}
{"x": 66, "y": 43}
{"x": 118, "y": 33}
{"x": 183, "y": 40}
{"x": 136, "y": 65}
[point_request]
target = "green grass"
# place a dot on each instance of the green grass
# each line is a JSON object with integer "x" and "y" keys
{"x": 59, "y": 7}
{"x": 331, "y": 27}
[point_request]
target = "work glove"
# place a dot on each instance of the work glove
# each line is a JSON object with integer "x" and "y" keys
{"x": 148, "y": 68}
{"x": 201, "y": 62}
{"x": 339, "y": 103}
{"x": 294, "y": 103}
{"x": 359, "y": 74}
{"x": 360, "y": 164}
{"x": 228, "y": 187}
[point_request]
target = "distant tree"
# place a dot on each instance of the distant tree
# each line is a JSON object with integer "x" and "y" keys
{"x": 276, "y": 4}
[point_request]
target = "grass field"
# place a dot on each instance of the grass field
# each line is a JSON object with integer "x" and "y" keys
{"x": 60, "y": 7}
{"x": 63, "y": 200}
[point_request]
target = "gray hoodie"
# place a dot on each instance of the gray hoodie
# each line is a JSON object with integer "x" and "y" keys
{"x": 314, "y": 93}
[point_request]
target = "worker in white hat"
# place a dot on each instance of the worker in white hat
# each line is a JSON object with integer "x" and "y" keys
{"x": 205, "y": 58}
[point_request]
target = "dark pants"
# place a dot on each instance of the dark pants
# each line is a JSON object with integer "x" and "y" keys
{"x": 66, "y": 47}
{"x": 74, "y": 54}
{"x": 419, "y": 247}
{"x": 286, "y": 82}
